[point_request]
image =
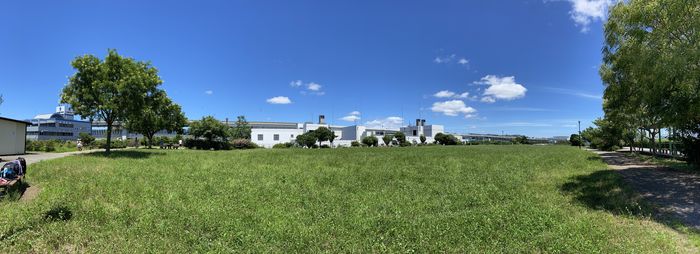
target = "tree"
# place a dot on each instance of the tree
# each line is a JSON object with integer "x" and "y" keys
{"x": 307, "y": 139}
{"x": 210, "y": 129}
{"x": 332, "y": 137}
{"x": 370, "y": 141}
{"x": 400, "y": 137}
{"x": 575, "y": 140}
{"x": 241, "y": 130}
{"x": 651, "y": 71}
{"x": 86, "y": 138}
{"x": 446, "y": 139}
{"x": 111, "y": 89}
{"x": 159, "y": 113}
{"x": 323, "y": 134}
{"x": 521, "y": 140}
{"x": 422, "y": 139}
{"x": 387, "y": 139}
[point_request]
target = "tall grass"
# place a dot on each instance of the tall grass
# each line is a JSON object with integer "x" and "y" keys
{"x": 419, "y": 199}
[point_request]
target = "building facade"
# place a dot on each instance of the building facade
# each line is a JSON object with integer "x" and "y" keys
{"x": 267, "y": 134}
{"x": 60, "y": 125}
{"x": 12, "y": 136}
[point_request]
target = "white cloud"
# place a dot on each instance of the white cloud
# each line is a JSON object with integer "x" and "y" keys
{"x": 503, "y": 88}
{"x": 279, "y": 100}
{"x": 450, "y": 94}
{"x": 392, "y": 122}
{"x": 444, "y": 94}
{"x": 576, "y": 93}
{"x": 296, "y": 83}
{"x": 488, "y": 99}
{"x": 313, "y": 86}
{"x": 352, "y": 117}
{"x": 468, "y": 116}
{"x": 208, "y": 92}
{"x": 452, "y": 108}
{"x": 583, "y": 12}
{"x": 463, "y": 61}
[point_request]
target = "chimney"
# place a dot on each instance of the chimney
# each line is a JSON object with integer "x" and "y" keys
{"x": 226, "y": 121}
{"x": 321, "y": 119}
{"x": 422, "y": 122}
{"x": 417, "y": 122}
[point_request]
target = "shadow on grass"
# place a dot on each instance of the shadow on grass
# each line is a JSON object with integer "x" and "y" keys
{"x": 606, "y": 190}
{"x": 130, "y": 154}
{"x": 56, "y": 213}
{"x": 15, "y": 192}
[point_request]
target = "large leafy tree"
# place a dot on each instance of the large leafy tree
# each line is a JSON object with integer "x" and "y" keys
{"x": 210, "y": 129}
{"x": 111, "y": 89}
{"x": 323, "y": 134}
{"x": 651, "y": 68}
{"x": 241, "y": 130}
{"x": 307, "y": 139}
{"x": 159, "y": 113}
{"x": 387, "y": 139}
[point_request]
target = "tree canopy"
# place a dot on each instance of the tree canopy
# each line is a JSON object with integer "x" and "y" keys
{"x": 111, "y": 89}
{"x": 241, "y": 130}
{"x": 159, "y": 113}
{"x": 210, "y": 129}
{"x": 651, "y": 68}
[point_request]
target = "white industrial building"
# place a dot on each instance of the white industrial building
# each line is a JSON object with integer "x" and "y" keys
{"x": 267, "y": 134}
{"x": 13, "y": 136}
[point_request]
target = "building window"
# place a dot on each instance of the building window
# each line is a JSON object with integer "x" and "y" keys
{"x": 415, "y": 133}
{"x": 291, "y": 136}
{"x": 260, "y": 137}
{"x": 276, "y": 137}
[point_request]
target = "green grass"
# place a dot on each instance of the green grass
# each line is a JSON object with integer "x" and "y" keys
{"x": 424, "y": 199}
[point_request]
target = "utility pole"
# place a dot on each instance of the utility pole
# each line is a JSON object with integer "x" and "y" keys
{"x": 580, "y": 139}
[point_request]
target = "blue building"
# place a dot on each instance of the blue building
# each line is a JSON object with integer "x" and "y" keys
{"x": 57, "y": 126}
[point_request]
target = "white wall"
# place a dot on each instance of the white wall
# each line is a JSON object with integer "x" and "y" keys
{"x": 12, "y": 137}
{"x": 285, "y": 135}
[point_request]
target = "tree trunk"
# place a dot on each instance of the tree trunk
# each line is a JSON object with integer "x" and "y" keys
{"x": 108, "y": 146}
{"x": 150, "y": 141}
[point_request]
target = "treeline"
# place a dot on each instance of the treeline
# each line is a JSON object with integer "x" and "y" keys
{"x": 651, "y": 69}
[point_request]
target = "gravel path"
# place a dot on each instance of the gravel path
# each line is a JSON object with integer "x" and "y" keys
{"x": 674, "y": 193}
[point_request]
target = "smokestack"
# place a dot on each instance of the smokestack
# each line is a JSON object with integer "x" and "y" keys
{"x": 321, "y": 119}
{"x": 422, "y": 122}
{"x": 417, "y": 122}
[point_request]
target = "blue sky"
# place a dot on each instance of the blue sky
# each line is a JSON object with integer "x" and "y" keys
{"x": 528, "y": 67}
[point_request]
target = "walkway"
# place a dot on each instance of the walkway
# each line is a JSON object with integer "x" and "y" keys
{"x": 34, "y": 157}
{"x": 674, "y": 193}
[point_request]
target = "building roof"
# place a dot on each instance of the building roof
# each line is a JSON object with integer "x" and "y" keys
{"x": 13, "y": 120}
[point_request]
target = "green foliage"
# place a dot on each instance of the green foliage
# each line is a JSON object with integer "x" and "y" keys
{"x": 201, "y": 144}
{"x": 370, "y": 141}
{"x": 459, "y": 199}
{"x": 241, "y": 130}
{"x": 283, "y": 145}
{"x": 575, "y": 140}
{"x": 51, "y": 146}
{"x": 86, "y": 138}
{"x": 158, "y": 113}
{"x": 400, "y": 137}
{"x": 387, "y": 139}
{"x": 605, "y": 136}
{"x": 111, "y": 89}
{"x": 422, "y": 139}
{"x": 521, "y": 140}
{"x": 214, "y": 132}
{"x": 355, "y": 144}
{"x": 323, "y": 134}
{"x": 307, "y": 139}
{"x": 243, "y": 143}
{"x": 650, "y": 69}
{"x": 446, "y": 139}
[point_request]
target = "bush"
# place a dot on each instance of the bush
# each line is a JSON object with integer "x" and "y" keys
{"x": 102, "y": 143}
{"x": 370, "y": 141}
{"x": 325, "y": 146}
{"x": 283, "y": 145}
{"x": 243, "y": 144}
{"x": 201, "y": 144}
{"x": 86, "y": 138}
{"x": 50, "y": 146}
{"x": 355, "y": 144}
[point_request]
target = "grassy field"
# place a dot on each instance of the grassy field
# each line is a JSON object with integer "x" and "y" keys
{"x": 425, "y": 199}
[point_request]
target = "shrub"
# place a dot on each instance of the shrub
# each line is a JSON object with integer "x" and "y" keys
{"x": 325, "y": 146}
{"x": 86, "y": 138}
{"x": 243, "y": 144}
{"x": 370, "y": 141}
{"x": 355, "y": 144}
{"x": 283, "y": 145}
{"x": 50, "y": 146}
{"x": 201, "y": 144}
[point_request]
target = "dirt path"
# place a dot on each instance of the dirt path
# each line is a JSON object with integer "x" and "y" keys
{"x": 674, "y": 193}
